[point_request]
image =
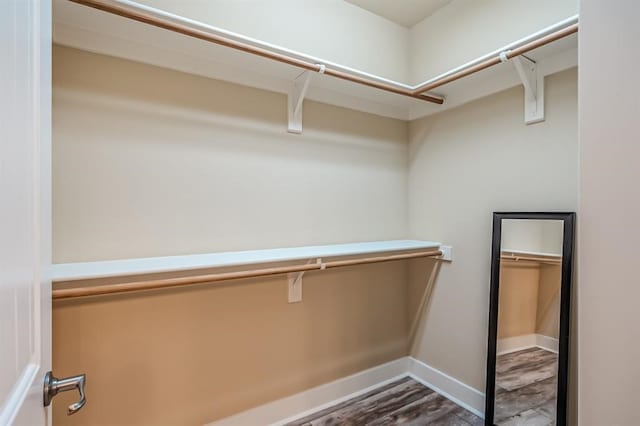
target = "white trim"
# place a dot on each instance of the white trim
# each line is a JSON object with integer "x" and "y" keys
{"x": 515, "y": 343}
{"x": 447, "y": 386}
{"x": 110, "y": 268}
{"x": 304, "y": 403}
{"x": 548, "y": 343}
{"x": 18, "y": 394}
{"x": 526, "y": 341}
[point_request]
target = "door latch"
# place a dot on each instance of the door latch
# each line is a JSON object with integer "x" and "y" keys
{"x": 53, "y": 386}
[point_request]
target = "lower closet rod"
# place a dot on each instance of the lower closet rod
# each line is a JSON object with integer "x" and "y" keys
{"x": 226, "y": 276}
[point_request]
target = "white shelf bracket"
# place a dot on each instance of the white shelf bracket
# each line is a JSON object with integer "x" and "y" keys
{"x": 533, "y": 82}
{"x": 296, "y": 97}
{"x": 447, "y": 253}
{"x": 295, "y": 284}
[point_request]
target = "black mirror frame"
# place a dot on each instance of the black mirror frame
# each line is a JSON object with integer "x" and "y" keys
{"x": 568, "y": 219}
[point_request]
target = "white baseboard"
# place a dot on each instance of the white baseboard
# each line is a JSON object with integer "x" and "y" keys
{"x": 302, "y": 404}
{"x": 546, "y": 342}
{"x": 516, "y": 343}
{"x": 447, "y": 386}
{"x": 307, "y": 402}
{"x": 526, "y": 341}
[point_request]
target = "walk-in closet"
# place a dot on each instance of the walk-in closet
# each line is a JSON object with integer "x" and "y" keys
{"x": 318, "y": 212}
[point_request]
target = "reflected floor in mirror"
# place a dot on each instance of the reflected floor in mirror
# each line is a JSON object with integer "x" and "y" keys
{"x": 403, "y": 402}
{"x": 526, "y": 383}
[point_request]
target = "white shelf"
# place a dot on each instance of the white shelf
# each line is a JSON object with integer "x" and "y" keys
{"x": 88, "y": 29}
{"x": 530, "y": 253}
{"x": 111, "y": 268}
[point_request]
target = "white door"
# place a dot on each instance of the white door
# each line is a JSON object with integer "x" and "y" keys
{"x": 25, "y": 209}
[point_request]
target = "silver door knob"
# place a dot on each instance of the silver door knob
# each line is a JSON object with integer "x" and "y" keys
{"x": 53, "y": 386}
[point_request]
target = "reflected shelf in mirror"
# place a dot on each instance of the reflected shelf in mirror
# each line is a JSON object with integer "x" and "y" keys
{"x": 530, "y": 256}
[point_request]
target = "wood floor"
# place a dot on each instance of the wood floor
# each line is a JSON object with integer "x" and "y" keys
{"x": 526, "y": 383}
{"x": 404, "y": 402}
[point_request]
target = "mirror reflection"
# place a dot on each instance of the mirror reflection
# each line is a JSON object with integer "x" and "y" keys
{"x": 526, "y": 373}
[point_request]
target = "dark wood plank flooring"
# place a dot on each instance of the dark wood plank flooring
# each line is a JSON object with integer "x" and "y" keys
{"x": 404, "y": 402}
{"x": 526, "y": 383}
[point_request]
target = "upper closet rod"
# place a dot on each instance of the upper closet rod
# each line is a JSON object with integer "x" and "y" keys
{"x": 548, "y": 35}
{"x": 140, "y": 14}
{"x": 160, "y": 19}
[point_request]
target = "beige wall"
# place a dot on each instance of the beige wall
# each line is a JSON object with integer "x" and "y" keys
{"x": 154, "y": 162}
{"x": 609, "y": 210}
{"x": 540, "y": 236}
{"x": 151, "y": 162}
{"x": 529, "y": 299}
{"x": 465, "y": 164}
{"x": 196, "y": 355}
{"x": 530, "y": 291}
{"x": 548, "y": 309}
{"x": 467, "y": 29}
{"x": 518, "y": 305}
{"x": 333, "y": 30}
{"x": 137, "y": 149}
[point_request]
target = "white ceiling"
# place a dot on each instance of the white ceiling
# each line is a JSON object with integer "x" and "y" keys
{"x": 404, "y": 12}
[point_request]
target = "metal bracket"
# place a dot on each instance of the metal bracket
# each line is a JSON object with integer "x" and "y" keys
{"x": 296, "y": 97}
{"x": 295, "y": 284}
{"x": 533, "y": 82}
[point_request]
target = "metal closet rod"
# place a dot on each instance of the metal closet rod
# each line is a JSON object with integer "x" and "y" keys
{"x": 162, "y": 283}
{"x": 254, "y": 50}
{"x": 497, "y": 59}
{"x": 416, "y": 92}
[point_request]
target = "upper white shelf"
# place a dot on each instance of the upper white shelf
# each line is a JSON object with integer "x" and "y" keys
{"x": 111, "y": 268}
{"x": 89, "y": 29}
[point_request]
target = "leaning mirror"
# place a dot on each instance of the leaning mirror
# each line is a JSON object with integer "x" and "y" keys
{"x": 529, "y": 314}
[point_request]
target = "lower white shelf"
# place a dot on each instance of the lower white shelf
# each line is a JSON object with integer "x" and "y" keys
{"x": 111, "y": 268}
